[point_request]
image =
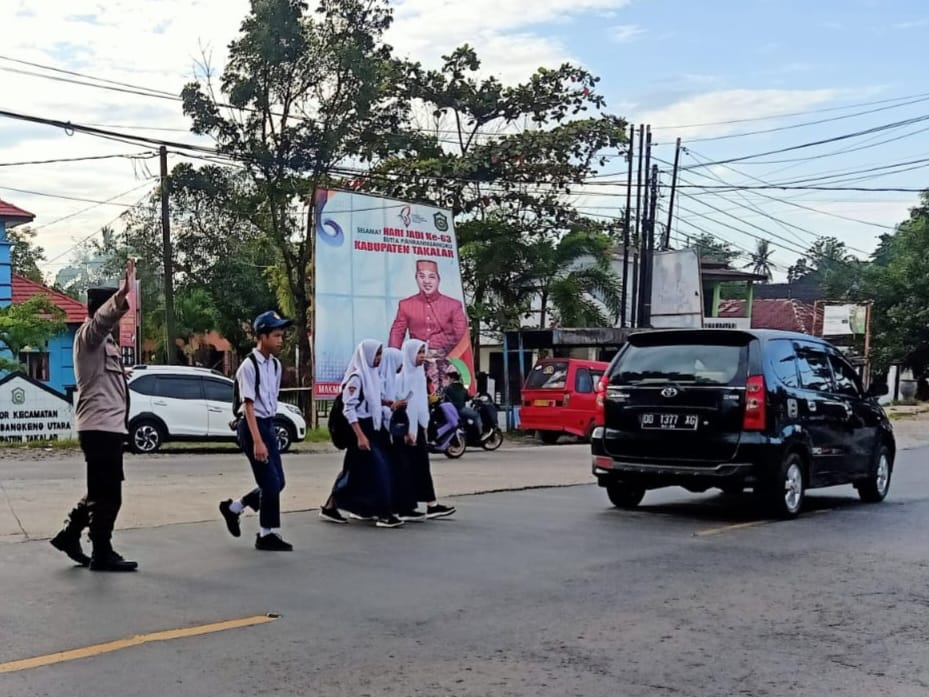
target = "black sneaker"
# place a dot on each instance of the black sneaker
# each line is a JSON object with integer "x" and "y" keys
{"x": 272, "y": 543}
{"x": 332, "y": 515}
{"x": 439, "y": 511}
{"x": 389, "y": 522}
{"x": 112, "y": 562}
{"x": 232, "y": 519}
{"x": 70, "y": 545}
{"x": 412, "y": 517}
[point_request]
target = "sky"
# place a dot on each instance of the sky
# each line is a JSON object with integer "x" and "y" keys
{"x": 713, "y": 73}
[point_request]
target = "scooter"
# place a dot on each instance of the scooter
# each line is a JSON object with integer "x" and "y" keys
{"x": 445, "y": 434}
{"x": 490, "y": 437}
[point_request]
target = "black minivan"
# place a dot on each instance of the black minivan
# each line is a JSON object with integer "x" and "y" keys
{"x": 776, "y": 412}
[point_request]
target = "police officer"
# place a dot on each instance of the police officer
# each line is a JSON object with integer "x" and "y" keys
{"x": 100, "y": 420}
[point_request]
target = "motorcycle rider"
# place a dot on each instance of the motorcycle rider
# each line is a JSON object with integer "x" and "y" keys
{"x": 457, "y": 394}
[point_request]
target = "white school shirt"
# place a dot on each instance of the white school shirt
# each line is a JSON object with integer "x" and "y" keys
{"x": 354, "y": 408}
{"x": 269, "y": 388}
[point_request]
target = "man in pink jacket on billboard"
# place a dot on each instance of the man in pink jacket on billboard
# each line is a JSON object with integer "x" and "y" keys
{"x": 429, "y": 316}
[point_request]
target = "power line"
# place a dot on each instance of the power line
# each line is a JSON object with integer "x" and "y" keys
{"x": 920, "y": 99}
{"x": 63, "y": 197}
{"x": 834, "y": 139}
{"x": 788, "y": 202}
{"x": 87, "y": 158}
{"x": 89, "y": 208}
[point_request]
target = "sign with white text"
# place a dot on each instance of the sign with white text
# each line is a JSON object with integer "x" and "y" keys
{"x": 31, "y": 412}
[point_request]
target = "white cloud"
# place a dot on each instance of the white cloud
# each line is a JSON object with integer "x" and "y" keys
{"x": 624, "y": 33}
{"x": 913, "y": 24}
{"x": 702, "y": 114}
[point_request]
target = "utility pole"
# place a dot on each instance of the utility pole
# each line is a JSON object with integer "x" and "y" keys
{"x": 644, "y": 240}
{"x": 168, "y": 259}
{"x": 649, "y": 269}
{"x": 626, "y": 231}
{"x": 638, "y": 219}
{"x": 677, "y": 159}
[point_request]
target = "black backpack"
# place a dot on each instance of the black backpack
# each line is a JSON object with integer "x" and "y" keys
{"x": 237, "y": 398}
{"x": 340, "y": 430}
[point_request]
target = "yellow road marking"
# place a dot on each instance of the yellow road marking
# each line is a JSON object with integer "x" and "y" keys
{"x": 138, "y": 640}
{"x": 727, "y": 528}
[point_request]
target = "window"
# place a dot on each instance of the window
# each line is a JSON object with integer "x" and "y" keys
{"x": 218, "y": 390}
{"x": 143, "y": 385}
{"x": 846, "y": 379}
{"x": 783, "y": 362}
{"x": 179, "y": 387}
{"x": 702, "y": 364}
{"x": 583, "y": 381}
{"x": 813, "y": 364}
{"x": 548, "y": 376}
{"x": 37, "y": 365}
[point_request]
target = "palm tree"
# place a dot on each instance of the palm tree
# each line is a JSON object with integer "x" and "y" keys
{"x": 574, "y": 280}
{"x": 761, "y": 262}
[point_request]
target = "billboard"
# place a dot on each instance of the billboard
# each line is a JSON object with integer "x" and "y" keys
{"x": 844, "y": 320}
{"x": 677, "y": 299}
{"x": 386, "y": 270}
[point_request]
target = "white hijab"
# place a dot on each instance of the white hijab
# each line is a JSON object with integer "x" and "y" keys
{"x": 391, "y": 362}
{"x": 413, "y": 380}
{"x": 362, "y": 365}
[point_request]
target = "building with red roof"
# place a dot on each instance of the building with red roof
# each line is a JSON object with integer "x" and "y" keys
{"x": 52, "y": 364}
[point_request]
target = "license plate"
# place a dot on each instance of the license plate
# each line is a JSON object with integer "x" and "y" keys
{"x": 669, "y": 422}
{"x": 543, "y": 403}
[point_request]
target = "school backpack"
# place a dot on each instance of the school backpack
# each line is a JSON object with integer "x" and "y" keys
{"x": 237, "y": 397}
{"x": 340, "y": 430}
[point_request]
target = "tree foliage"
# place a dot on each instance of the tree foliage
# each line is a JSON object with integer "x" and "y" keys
{"x": 25, "y": 326}
{"x": 303, "y": 95}
{"x": 507, "y": 160}
{"x": 26, "y": 257}
{"x": 761, "y": 262}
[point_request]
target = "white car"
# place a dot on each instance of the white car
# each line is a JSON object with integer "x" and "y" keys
{"x": 177, "y": 403}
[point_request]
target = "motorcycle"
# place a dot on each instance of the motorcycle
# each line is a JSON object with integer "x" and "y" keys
{"x": 490, "y": 437}
{"x": 445, "y": 434}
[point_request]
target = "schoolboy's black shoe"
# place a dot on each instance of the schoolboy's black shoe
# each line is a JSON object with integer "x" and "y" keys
{"x": 112, "y": 562}
{"x": 272, "y": 543}
{"x": 232, "y": 519}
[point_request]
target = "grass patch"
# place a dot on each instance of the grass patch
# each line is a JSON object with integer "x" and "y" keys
{"x": 42, "y": 445}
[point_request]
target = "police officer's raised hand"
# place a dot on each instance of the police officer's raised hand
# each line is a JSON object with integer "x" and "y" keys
{"x": 128, "y": 282}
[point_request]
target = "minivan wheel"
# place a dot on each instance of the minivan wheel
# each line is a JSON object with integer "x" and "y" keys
{"x": 624, "y": 495}
{"x": 874, "y": 489}
{"x": 787, "y": 491}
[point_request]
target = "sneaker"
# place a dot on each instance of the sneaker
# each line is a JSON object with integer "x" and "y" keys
{"x": 389, "y": 522}
{"x": 232, "y": 519}
{"x": 70, "y": 545}
{"x": 355, "y": 516}
{"x": 111, "y": 561}
{"x": 332, "y": 515}
{"x": 272, "y": 543}
{"x": 413, "y": 517}
{"x": 439, "y": 511}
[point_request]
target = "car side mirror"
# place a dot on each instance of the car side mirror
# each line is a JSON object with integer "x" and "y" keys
{"x": 878, "y": 389}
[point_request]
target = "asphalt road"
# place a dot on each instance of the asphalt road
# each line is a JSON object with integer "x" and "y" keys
{"x": 544, "y": 592}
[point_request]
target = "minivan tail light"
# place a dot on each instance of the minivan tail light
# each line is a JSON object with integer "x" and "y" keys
{"x": 756, "y": 397}
{"x": 600, "y": 416}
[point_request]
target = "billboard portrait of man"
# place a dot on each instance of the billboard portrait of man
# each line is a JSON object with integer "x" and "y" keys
{"x": 429, "y": 316}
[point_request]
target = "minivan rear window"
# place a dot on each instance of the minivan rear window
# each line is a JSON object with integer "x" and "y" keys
{"x": 548, "y": 376}
{"x": 702, "y": 364}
